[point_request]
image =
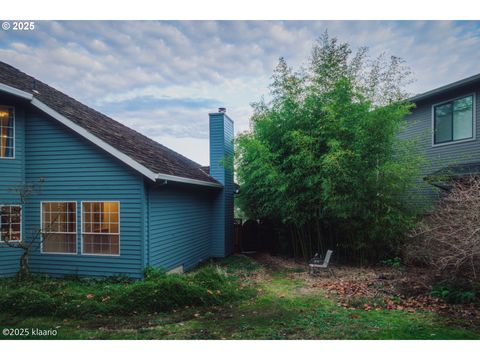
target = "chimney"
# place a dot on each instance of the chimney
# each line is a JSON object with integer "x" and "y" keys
{"x": 221, "y": 169}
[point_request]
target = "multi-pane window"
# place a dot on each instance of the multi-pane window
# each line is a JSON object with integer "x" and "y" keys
{"x": 10, "y": 223}
{"x": 101, "y": 228}
{"x": 59, "y": 227}
{"x": 7, "y": 132}
{"x": 453, "y": 120}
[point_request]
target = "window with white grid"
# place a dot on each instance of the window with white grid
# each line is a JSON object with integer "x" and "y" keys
{"x": 7, "y": 132}
{"x": 59, "y": 227}
{"x": 10, "y": 223}
{"x": 101, "y": 228}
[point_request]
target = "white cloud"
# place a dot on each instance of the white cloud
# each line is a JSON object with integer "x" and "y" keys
{"x": 183, "y": 70}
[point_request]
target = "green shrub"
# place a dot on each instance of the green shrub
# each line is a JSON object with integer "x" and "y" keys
{"x": 152, "y": 273}
{"x": 163, "y": 294}
{"x": 395, "y": 263}
{"x": 211, "y": 277}
{"x": 81, "y": 308}
{"x": 453, "y": 294}
{"x": 85, "y": 297}
{"x": 119, "y": 279}
{"x": 221, "y": 287}
{"x": 27, "y": 301}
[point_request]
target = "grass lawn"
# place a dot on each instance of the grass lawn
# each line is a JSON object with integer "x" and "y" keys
{"x": 284, "y": 307}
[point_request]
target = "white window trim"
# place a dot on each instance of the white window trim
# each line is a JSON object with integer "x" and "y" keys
{"x": 21, "y": 225}
{"x": 76, "y": 228}
{"x": 14, "y": 134}
{"x": 474, "y": 121}
{"x": 119, "y": 228}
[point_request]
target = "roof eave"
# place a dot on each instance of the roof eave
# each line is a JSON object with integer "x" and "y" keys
{"x": 16, "y": 92}
{"x": 188, "y": 180}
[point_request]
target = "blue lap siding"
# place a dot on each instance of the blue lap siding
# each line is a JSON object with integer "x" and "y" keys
{"x": 11, "y": 174}
{"x": 180, "y": 226}
{"x": 221, "y": 168}
{"x": 76, "y": 170}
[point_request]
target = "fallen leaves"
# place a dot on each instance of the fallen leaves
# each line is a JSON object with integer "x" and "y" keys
{"x": 367, "y": 307}
{"x": 381, "y": 297}
{"x": 371, "y": 288}
{"x": 349, "y": 288}
{"x": 367, "y": 289}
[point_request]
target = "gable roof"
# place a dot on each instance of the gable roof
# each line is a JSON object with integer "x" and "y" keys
{"x": 452, "y": 86}
{"x": 145, "y": 155}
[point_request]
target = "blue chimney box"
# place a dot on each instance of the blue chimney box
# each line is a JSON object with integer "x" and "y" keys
{"x": 221, "y": 169}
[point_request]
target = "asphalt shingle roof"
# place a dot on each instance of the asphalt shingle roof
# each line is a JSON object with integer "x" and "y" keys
{"x": 149, "y": 153}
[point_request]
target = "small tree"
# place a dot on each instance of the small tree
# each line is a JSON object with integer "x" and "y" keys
{"x": 449, "y": 239}
{"x": 35, "y": 236}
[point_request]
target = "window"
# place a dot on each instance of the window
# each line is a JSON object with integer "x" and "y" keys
{"x": 453, "y": 120}
{"x": 7, "y": 132}
{"x": 101, "y": 228}
{"x": 59, "y": 227}
{"x": 10, "y": 223}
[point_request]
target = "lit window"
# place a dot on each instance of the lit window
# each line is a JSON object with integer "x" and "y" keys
{"x": 59, "y": 227}
{"x": 101, "y": 228}
{"x": 7, "y": 132}
{"x": 453, "y": 120}
{"x": 10, "y": 223}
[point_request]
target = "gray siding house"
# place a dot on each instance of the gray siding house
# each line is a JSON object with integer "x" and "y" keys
{"x": 444, "y": 127}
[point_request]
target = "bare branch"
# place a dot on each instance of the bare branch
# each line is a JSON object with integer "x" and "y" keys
{"x": 450, "y": 237}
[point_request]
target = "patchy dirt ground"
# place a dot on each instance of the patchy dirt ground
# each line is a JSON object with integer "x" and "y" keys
{"x": 287, "y": 303}
{"x": 372, "y": 288}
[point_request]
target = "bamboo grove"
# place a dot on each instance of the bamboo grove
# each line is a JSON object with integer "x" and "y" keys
{"x": 323, "y": 159}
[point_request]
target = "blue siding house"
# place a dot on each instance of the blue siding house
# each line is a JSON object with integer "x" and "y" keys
{"x": 446, "y": 132}
{"x": 112, "y": 201}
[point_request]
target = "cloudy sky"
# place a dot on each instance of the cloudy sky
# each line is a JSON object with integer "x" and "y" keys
{"x": 162, "y": 78}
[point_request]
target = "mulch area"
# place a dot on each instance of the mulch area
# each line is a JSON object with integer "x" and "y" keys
{"x": 372, "y": 288}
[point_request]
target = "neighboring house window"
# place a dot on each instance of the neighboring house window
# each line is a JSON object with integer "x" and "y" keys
{"x": 101, "y": 228}
{"x": 59, "y": 227}
{"x": 7, "y": 132}
{"x": 453, "y": 120}
{"x": 10, "y": 223}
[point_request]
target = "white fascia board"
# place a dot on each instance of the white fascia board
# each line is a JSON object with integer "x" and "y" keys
{"x": 13, "y": 91}
{"x": 97, "y": 141}
{"x": 187, "y": 180}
